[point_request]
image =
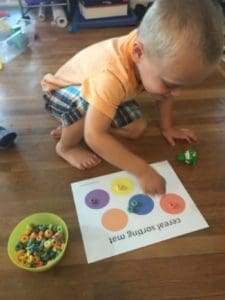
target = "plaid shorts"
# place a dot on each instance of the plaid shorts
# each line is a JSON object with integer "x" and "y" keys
{"x": 68, "y": 106}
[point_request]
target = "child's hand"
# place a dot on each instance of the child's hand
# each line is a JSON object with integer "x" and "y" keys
{"x": 173, "y": 134}
{"x": 151, "y": 182}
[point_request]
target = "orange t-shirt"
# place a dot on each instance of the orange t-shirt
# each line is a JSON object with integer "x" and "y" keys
{"x": 104, "y": 70}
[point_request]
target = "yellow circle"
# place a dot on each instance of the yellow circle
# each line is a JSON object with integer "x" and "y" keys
{"x": 122, "y": 186}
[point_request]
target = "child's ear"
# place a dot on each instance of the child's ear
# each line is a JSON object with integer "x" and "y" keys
{"x": 137, "y": 51}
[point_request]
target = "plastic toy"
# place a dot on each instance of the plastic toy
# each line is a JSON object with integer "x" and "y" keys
{"x": 5, "y": 30}
{"x": 7, "y": 138}
{"x": 4, "y": 14}
{"x": 189, "y": 156}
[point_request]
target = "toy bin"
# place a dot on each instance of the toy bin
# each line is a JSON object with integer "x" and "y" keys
{"x": 38, "y": 2}
{"x": 21, "y": 37}
{"x": 33, "y": 2}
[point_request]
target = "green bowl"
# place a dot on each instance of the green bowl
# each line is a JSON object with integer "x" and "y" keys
{"x": 37, "y": 218}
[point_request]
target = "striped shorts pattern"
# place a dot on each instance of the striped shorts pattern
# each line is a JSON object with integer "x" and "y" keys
{"x": 68, "y": 106}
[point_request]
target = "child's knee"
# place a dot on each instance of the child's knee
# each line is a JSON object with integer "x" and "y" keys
{"x": 137, "y": 128}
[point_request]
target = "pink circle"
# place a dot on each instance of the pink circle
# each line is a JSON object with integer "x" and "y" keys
{"x": 172, "y": 203}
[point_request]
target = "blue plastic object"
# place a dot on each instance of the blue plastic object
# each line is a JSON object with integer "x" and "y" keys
{"x": 7, "y": 138}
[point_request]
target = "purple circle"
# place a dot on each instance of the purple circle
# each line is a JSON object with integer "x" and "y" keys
{"x": 97, "y": 199}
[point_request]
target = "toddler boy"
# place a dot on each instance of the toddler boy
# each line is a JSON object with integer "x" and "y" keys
{"x": 178, "y": 43}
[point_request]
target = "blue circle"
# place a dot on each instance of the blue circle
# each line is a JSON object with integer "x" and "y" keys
{"x": 143, "y": 204}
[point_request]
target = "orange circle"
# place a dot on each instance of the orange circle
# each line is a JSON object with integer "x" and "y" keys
{"x": 114, "y": 219}
{"x": 172, "y": 203}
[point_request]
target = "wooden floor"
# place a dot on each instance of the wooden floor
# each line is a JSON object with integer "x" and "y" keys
{"x": 33, "y": 178}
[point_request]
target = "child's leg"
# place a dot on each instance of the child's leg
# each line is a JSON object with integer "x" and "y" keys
{"x": 70, "y": 149}
{"x": 131, "y": 131}
{"x": 128, "y": 121}
{"x": 69, "y": 108}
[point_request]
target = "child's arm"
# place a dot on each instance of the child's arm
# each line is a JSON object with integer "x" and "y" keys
{"x": 171, "y": 134}
{"x": 97, "y": 136}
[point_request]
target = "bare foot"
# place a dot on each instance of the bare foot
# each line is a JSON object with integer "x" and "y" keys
{"x": 78, "y": 157}
{"x": 56, "y": 133}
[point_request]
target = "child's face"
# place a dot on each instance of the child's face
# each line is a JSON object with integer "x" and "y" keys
{"x": 168, "y": 78}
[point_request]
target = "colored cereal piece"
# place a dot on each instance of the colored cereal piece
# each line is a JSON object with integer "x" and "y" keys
{"x": 53, "y": 254}
{"x": 20, "y": 255}
{"x": 33, "y": 235}
{"x": 35, "y": 228}
{"x": 38, "y": 238}
{"x": 40, "y": 263}
{"x": 62, "y": 246}
{"x": 54, "y": 228}
{"x": 42, "y": 227}
{"x": 20, "y": 246}
{"x": 48, "y": 233}
{"x": 132, "y": 205}
{"x": 58, "y": 235}
{"x": 59, "y": 228}
{"x": 36, "y": 260}
{"x": 45, "y": 256}
{"x": 94, "y": 201}
{"x": 28, "y": 230}
{"x": 30, "y": 259}
{"x": 47, "y": 244}
{"x": 24, "y": 238}
{"x": 57, "y": 245}
{"x": 50, "y": 226}
{"x": 41, "y": 233}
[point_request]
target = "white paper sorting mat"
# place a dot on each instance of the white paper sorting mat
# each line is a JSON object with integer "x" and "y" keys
{"x": 115, "y": 216}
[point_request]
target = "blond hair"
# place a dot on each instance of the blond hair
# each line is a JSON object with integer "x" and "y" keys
{"x": 168, "y": 25}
